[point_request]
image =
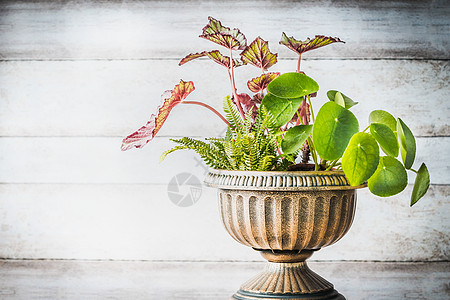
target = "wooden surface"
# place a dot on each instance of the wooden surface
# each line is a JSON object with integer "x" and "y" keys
{"x": 78, "y": 76}
{"x": 208, "y": 280}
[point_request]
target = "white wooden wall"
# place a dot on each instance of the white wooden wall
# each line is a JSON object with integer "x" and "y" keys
{"x": 76, "y": 77}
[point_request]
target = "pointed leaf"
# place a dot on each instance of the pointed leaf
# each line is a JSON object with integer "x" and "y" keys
{"x": 292, "y": 85}
{"x": 300, "y": 47}
{"x": 333, "y": 129}
{"x": 383, "y": 117}
{"x": 407, "y": 144}
{"x": 421, "y": 184}
{"x": 259, "y": 55}
{"x": 295, "y": 137}
{"x": 389, "y": 179}
{"x": 170, "y": 99}
{"x": 216, "y": 56}
{"x": 260, "y": 83}
{"x": 386, "y": 138}
{"x": 230, "y": 38}
{"x": 282, "y": 109}
{"x": 348, "y": 102}
{"x": 360, "y": 159}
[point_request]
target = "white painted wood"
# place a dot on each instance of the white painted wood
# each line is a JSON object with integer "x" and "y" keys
{"x": 119, "y": 221}
{"x": 149, "y": 29}
{"x": 99, "y": 160}
{"x": 208, "y": 280}
{"x": 114, "y": 98}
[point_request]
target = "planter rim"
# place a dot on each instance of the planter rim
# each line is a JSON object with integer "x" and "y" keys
{"x": 279, "y": 180}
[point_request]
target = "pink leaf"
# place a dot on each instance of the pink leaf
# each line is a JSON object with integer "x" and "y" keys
{"x": 191, "y": 56}
{"x": 302, "y": 46}
{"x": 230, "y": 38}
{"x": 170, "y": 99}
{"x": 259, "y": 55}
{"x": 260, "y": 83}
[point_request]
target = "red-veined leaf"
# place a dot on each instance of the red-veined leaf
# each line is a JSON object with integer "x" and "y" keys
{"x": 260, "y": 83}
{"x": 232, "y": 39}
{"x": 302, "y": 46}
{"x": 216, "y": 56}
{"x": 170, "y": 99}
{"x": 259, "y": 55}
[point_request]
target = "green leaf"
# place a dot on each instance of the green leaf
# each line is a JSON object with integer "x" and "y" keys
{"x": 295, "y": 137}
{"x": 282, "y": 109}
{"x": 383, "y": 117}
{"x": 348, "y": 102}
{"x": 332, "y": 130}
{"x": 292, "y": 85}
{"x": 259, "y": 55}
{"x": 360, "y": 159}
{"x": 386, "y": 138}
{"x": 407, "y": 144}
{"x": 421, "y": 184}
{"x": 389, "y": 179}
{"x": 308, "y": 44}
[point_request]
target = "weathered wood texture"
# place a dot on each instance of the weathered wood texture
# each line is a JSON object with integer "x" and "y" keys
{"x": 75, "y": 77}
{"x": 154, "y": 29}
{"x": 208, "y": 280}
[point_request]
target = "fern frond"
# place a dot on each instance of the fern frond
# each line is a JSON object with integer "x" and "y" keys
{"x": 232, "y": 114}
{"x": 165, "y": 153}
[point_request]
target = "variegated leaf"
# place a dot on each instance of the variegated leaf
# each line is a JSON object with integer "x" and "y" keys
{"x": 302, "y": 46}
{"x": 259, "y": 55}
{"x": 260, "y": 83}
{"x": 170, "y": 99}
{"x": 230, "y": 38}
{"x": 216, "y": 56}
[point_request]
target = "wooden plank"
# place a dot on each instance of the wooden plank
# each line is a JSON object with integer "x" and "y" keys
{"x": 99, "y": 160}
{"x": 114, "y": 98}
{"x": 155, "y": 29}
{"x": 139, "y": 222}
{"x": 203, "y": 280}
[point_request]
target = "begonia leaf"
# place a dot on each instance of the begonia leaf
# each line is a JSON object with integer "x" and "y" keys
{"x": 232, "y": 39}
{"x": 260, "y": 83}
{"x": 170, "y": 99}
{"x": 216, "y": 56}
{"x": 303, "y": 46}
{"x": 259, "y": 55}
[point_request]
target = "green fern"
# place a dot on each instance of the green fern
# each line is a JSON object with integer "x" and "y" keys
{"x": 249, "y": 143}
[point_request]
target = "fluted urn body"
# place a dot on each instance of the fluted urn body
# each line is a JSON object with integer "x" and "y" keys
{"x": 286, "y": 216}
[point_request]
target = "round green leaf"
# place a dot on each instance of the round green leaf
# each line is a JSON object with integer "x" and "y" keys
{"x": 347, "y": 101}
{"x": 389, "y": 179}
{"x": 282, "y": 109}
{"x": 292, "y": 85}
{"x": 360, "y": 159}
{"x": 295, "y": 137}
{"x": 407, "y": 144}
{"x": 421, "y": 184}
{"x": 385, "y": 137}
{"x": 383, "y": 117}
{"x": 333, "y": 128}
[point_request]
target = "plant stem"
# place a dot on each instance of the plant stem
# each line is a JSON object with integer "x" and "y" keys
{"x": 208, "y": 107}
{"x": 414, "y": 171}
{"x": 298, "y": 63}
{"x": 313, "y": 153}
{"x": 366, "y": 128}
{"x": 311, "y": 109}
{"x": 333, "y": 163}
{"x": 233, "y": 85}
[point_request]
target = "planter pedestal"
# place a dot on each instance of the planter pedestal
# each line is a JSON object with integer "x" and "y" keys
{"x": 287, "y": 276}
{"x": 286, "y": 216}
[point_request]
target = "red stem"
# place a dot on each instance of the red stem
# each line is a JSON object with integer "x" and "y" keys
{"x": 298, "y": 63}
{"x": 208, "y": 107}
{"x": 233, "y": 85}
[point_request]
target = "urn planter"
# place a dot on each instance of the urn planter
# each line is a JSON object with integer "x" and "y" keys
{"x": 286, "y": 216}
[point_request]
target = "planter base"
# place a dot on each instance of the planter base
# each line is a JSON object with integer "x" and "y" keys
{"x": 289, "y": 279}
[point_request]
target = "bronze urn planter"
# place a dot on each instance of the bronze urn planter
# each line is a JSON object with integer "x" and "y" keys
{"x": 286, "y": 216}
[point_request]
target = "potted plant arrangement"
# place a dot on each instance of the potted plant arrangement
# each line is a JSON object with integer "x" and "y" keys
{"x": 271, "y": 197}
